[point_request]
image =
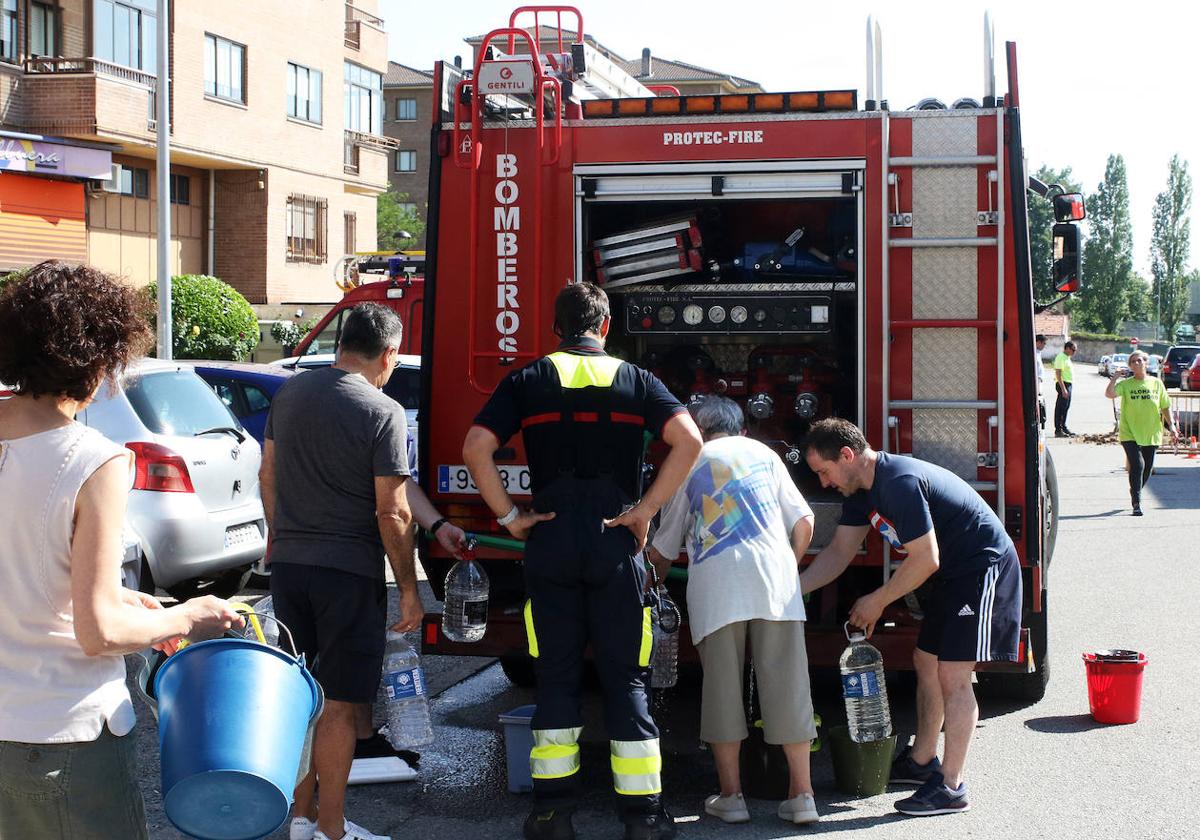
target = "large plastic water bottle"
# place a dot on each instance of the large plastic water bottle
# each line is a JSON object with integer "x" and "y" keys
{"x": 867, "y": 713}
{"x": 664, "y": 662}
{"x": 404, "y": 695}
{"x": 464, "y": 613}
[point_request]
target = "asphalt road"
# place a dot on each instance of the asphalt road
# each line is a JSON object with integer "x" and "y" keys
{"x": 1042, "y": 770}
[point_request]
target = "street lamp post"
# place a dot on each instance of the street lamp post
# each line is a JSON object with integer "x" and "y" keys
{"x": 163, "y": 126}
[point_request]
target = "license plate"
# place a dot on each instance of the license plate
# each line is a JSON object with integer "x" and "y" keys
{"x": 237, "y": 535}
{"x": 456, "y": 478}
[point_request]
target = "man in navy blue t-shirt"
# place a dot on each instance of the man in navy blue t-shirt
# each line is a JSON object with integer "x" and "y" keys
{"x": 944, "y": 531}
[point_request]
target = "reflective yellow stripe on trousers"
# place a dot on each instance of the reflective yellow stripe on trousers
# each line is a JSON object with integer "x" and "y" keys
{"x": 555, "y": 753}
{"x": 529, "y": 631}
{"x": 636, "y": 767}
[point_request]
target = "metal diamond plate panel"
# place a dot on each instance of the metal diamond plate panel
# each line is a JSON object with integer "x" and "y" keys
{"x": 826, "y": 515}
{"x": 945, "y": 136}
{"x": 945, "y": 201}
{"x": 944, "y": 283}
{"x": 944, "y": 364}
{"x": 948, "y": 438}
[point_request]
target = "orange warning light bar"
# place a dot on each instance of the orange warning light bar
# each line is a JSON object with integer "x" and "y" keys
{"x": 760, "y": 103}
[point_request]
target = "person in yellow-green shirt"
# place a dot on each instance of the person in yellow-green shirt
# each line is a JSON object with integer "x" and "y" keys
{"x": 1145, "y": 409}
{"x": 1064, "y": 376}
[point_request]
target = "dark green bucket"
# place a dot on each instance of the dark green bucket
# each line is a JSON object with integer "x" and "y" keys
{"x": 860, "y": 769}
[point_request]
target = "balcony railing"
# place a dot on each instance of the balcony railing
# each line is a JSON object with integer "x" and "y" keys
{"x": 90, "y": 65}
{"x": 98, "y": 67}
{"x": 372, "y": 141}
{"x": 356, "y": 18}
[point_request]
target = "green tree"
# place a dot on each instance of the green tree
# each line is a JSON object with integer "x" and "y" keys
{"x": 1041, "y": 221}
{"x": 394, "y": 213}
{"x": 1140, "y": 300}
{"x": 1108, "y": 254}
{"x": 209, "y": 319}
{"x": 1169, "y": 247}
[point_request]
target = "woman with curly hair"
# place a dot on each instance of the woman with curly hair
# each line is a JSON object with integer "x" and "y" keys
{"x": 66, "y": 752}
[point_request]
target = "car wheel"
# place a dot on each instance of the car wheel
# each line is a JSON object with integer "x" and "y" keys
{"x": 225, "y": 585}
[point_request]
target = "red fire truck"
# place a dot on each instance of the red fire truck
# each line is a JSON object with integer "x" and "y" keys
{"x": 803, "y": 253}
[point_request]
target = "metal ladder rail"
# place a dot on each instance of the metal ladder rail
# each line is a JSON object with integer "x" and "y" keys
{"x": 472, "y": 159}
{"x": 890, "y": 423}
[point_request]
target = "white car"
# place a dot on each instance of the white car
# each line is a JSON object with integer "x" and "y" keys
{"x": 1154, "y": 365}
{"x": 1102, "y": 366}
{"x": 194, "y": 508}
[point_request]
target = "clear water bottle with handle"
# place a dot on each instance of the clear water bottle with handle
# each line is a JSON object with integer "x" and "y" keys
{"x": 664, "y": 662}
{"x": 867, "y": 713}
{"x": 465, "y": 610}
{"x": 403, "y": 693}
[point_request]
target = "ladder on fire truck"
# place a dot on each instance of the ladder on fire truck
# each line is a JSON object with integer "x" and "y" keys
{"x": 546, "y": 83}
{"x": 943, "y": 227}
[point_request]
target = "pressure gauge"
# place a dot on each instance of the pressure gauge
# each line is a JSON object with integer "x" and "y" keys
{"x": 739, "y": 314}
{"x": 760, "y": 315}
{"x": 666, "y": 315}
{"x": 692, "y": 315}
{"x": 716, "y": 314}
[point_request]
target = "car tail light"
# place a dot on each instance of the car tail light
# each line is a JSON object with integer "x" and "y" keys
{"x": 158, "y": 468}
{"x": 1166, "y": 367}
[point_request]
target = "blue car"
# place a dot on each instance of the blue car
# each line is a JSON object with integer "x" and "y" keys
{"x": 247, "y": 388}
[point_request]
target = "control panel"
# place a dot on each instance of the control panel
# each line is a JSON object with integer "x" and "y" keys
{"x": 688, "y": 313}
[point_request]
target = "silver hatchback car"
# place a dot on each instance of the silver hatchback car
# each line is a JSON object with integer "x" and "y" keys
{"x": 195, "y": 506}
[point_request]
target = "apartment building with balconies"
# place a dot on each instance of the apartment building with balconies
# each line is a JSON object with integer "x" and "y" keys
{"x": 277, "y": 143}
{"x": 408, "y": 109}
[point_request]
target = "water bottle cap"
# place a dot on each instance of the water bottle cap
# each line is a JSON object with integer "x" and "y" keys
{"x": 856, "y": 634}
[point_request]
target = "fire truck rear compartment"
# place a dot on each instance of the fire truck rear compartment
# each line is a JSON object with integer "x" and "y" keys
{"x": 753, "y": 299}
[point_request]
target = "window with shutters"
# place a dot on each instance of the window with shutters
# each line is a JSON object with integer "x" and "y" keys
{"x": 307, "y": 224}
{"x": 351, "y": 228}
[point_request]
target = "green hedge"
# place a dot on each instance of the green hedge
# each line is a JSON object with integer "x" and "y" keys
{"x": 1091, "y": 336}
{"x": 209, "y": 319}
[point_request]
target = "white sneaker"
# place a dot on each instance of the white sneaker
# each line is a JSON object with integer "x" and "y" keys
{"x": 353, "y": 832}
{"x": 730, "y": 809}
{"x": 302, "y": 828}
{"x": 799, "y": 810}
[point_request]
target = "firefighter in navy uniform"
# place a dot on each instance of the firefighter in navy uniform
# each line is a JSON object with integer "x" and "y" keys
{"x": 583, "y": 414}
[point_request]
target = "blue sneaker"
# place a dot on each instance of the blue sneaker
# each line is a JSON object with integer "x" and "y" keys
{"x": 933, "y": 798}
{"x": 905, "y": 771}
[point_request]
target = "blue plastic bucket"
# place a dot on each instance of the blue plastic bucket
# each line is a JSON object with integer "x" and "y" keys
{"x": 518, "y": 742}
{"x": 233, "y": 719}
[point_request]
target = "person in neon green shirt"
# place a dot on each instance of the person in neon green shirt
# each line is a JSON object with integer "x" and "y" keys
{"x": 1145, "y": 409}
{"x": 1064, "y": 376}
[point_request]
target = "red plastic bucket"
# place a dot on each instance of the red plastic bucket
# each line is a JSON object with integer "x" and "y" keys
{"x": 1115, "y": 686}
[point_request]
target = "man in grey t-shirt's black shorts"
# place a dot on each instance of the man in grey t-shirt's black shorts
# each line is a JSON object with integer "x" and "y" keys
{"x": 333, "y": 486}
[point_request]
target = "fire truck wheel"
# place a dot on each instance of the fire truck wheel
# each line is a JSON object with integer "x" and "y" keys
{"x": 518, "y": 669}
{"x": 1050, "y": 515}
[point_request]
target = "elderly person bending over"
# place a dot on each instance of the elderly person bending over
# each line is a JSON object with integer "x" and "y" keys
{"x": 746, "y": 526}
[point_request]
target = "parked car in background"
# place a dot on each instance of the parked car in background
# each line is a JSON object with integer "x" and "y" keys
{"x": 1154, "y": 365}
{"x": 194, "y": 507}
{"x": 1102, "y": 365}
{"x": 1117, "y": 363}
{"x": 1189, "y": 380}
{"x": 1177, "y": 360}
{"x": 246, "y": 388}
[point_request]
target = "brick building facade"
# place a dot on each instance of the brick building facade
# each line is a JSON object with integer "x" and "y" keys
{"x": 277, "y": 144}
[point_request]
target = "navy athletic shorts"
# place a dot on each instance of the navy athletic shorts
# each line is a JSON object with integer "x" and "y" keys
{"x": 975, "y": 618}
{"x": 339, "y": 621}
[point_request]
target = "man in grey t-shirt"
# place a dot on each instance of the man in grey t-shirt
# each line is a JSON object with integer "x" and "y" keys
{"x": 333, "y": 480}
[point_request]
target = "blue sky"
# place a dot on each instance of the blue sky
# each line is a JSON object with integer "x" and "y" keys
{"x": 1096, "y": 78}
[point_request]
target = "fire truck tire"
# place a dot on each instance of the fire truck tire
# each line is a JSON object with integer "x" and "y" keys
{"x": 1050, "y": 515}
{"x": 519, "y": 670}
